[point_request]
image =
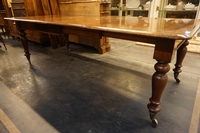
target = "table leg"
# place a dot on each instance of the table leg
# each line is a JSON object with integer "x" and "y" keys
{"x": 2, "y": 29}
{"x": 67, "y": 41}
{"x": 159, "y": 81}
{"x": 24, "y": 41}
{"x": 181, "y": 52}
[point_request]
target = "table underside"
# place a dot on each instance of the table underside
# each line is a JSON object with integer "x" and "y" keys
{"x": 164, "y": 51}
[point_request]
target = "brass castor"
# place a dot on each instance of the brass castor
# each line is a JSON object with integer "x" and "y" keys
{"x": 154, "y": 122}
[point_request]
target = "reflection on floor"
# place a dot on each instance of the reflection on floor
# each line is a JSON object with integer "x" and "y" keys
{"x": 85, "y": 92}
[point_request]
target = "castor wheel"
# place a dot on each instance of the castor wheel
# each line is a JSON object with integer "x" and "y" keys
{"x": 177, "y": 80}
{"x": 155, "y": 122}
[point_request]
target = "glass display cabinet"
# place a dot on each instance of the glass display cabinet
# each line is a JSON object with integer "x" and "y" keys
{"x": 184, "y": 9}
{"x": 178, "y": 8}
{"x": 130, "y": 7}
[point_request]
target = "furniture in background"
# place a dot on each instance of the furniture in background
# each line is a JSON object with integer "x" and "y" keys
{"x": 11, "y": 26}
{"x": 105, "y": 8}
{"x": 177, "y": 9}
{"x": 18, "y": 8}
{"x": 3, "y": 23}
{"x": 1, "y": 40}
{"x": 32, "y": 8}
{"x": 79, "y": 7}
{"x": 21, "y": 8}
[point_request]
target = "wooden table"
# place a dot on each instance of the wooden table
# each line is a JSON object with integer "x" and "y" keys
{"x": 163, "y": 33}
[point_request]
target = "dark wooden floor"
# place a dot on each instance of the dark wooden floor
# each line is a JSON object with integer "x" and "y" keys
{"x": 85, "y": 92}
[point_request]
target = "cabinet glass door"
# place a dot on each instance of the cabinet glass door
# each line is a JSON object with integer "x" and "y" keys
{"x": 130, "y": 7}
{"x": 178, "y": 8}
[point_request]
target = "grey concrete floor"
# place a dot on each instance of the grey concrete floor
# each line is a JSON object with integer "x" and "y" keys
{"x": 85, "y": 92}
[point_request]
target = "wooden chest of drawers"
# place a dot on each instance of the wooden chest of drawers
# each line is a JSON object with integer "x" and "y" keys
{"x": 18, "y": 8}
{"x": 105, "y": 8}
{"x": 2, "y": 15}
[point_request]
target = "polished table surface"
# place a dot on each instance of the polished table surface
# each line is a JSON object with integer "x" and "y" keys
{"x": 162, "y": 27}
{"x": 169, "y": 36}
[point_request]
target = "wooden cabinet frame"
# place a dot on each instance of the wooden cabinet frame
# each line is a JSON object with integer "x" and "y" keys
{"x": 53, "y": 7}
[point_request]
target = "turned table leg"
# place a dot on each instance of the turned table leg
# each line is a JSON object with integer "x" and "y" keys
{"x": 159, "y": 81}
{"x": 181, "y": 52}
{"x": 1, "y": 39}
{"x": 24, "y": 41}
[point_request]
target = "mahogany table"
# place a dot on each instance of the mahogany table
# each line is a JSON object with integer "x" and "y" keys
{"x": 163, "y": 33}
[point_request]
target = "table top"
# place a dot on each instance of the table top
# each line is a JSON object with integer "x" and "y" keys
{"x": 156, "y": 27}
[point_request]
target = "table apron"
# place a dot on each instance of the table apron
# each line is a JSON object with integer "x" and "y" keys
{"x": 164, "y": 47}
{"x": 45, "y": 28}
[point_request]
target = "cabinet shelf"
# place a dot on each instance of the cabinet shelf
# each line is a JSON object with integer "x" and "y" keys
{"x": 178, "y": 10}
{"x": 177, "y": 13}
{"x": 127, "y": 9}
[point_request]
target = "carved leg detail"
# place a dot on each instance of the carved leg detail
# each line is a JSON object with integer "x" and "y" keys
{"x": 24, "y": 41}
{"x": 181, "y": 52}
{"x": 159, "y": 81}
